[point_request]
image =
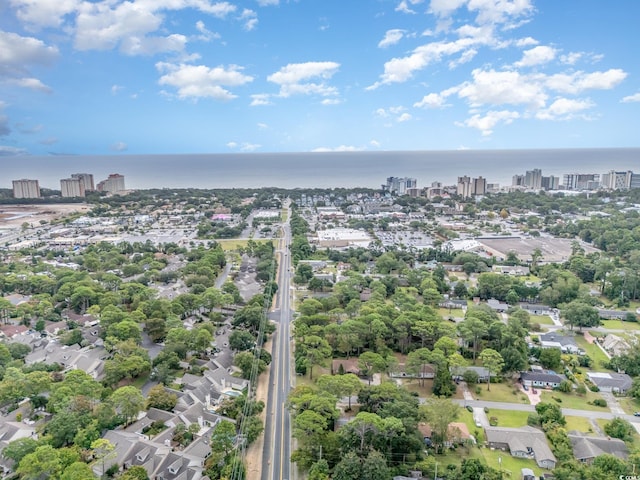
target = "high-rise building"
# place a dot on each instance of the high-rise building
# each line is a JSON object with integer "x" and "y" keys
{"x": 113, "y": 184}
{"x": 468, "y": 187}
{"x": 517, "y": 181}
{"x": 86, "y": 179}
{"x": 581, "y": 181}
{"x": 613, "y": 180}
{"x": 533, "y": 179}
{"x": 635, "y": 180}
{"x": 399, "y": 185}
{"x": 25, "y": 188}
{"x": 550, "y": 183}
{"x": 72, "y": 187}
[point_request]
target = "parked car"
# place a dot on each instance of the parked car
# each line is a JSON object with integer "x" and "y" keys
{"x": 636, "y": 414}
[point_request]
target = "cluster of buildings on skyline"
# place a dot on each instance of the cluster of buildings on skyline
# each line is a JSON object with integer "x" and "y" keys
{"x": 75, "y": 186}
{"x": 531, "y": 180}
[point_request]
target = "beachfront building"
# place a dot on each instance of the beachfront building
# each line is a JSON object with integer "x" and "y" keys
{"x": 71, "y": 187}
{"x": 25, "y": 188}
{"x": 113, "y": 184}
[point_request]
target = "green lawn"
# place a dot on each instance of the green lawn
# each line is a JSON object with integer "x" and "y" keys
{"x": 629, "y": 404}
{"x": 500, "y": 392}
{"x": 573, "y": 401}
{"x": 511, "y": 465}
{"x": 620, "y": 325}
{"x": 235, "y": 244}
{"x": 580, "y": 424}
{"x": 509, "y": 418}
{"x": 596, "y": 354}
{"x": 467, "y": 418}
{"x": 415, "y": 385}
{"x": 284, "y": 215}
{"x": 541, "y": 319}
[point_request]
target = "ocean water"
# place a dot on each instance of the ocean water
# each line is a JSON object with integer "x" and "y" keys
{"x": 322, "y": 170}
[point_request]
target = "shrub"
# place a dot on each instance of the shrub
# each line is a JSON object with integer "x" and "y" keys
{"x": 594, "y": 388}
{"x": 533, "y": 420}
{"x": 599, "y": 402}
{"x": 486, "y": 409}
{"x": 557, "y": 399}
{"x": 478, "y": 390}
{"x": 581, "y": 390}
{"x": 493, "y": 421}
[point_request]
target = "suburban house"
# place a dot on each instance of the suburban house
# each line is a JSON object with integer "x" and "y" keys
{"x": 615, "y": 345}
{"x": 527, "y": 474}
{"x": 89, "y": 359}
{"x": 537, "y": 308}
{"x": 611, "y": 382}
{"x": 541, "y": 379}
{"x": 457, "y": 434}
{"x": 483, "y": 374}
{"x": 523, "y": 442}
{"x": 565, "y": 343}
{"x": 587, "y": 448}
{"x": 516, "y": 270}
{"x": 457, "y": 304}
{"x": 612, "y": 314}
{"x": 497, "y": 305}
{"x": 349, "y": 365}
{"x": 427, "y": 371}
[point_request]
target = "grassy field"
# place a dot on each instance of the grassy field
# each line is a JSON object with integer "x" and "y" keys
{"x": 500, "y": 392}
{"x": 466, "y": 417}
{"x": 580, "y": 424}
{"x": 511, "y": 465}
{"x": 235, "y": 244}
{"x": 541, "y": 319}
{"x": 620, "y": 325}
{"x": 629, "y": 404}
{"x": 596, "y": 354}
{"x": 509, "y": 418}
{"x": 284, "y": 215}
{"x": 573, "y": 401}
{"x": 415, "y": 385}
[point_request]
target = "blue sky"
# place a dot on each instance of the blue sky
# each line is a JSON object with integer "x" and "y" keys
{"x": 202, "y": 76}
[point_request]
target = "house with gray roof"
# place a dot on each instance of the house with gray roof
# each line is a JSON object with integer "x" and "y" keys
{"x": 611, "y": 382}
{"x": 483, "y": 373}
{"x": 565, "y": 343}
{"x": 587, "y": 448}
{"x": 541, "y": 379}
{"x": 615, "y": 345}
{"x": 523, "y": 442}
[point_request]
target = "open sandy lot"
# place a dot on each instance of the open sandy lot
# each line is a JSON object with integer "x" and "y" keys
{"x": 16, "y": 215}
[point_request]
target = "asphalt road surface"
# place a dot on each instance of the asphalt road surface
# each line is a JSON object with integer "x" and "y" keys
{"x": 277, "y": 445}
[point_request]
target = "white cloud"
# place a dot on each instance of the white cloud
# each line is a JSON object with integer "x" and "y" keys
{"x": 391, "y": 37}
{"x": 487, "y": 122}
{"x": 266, "y": 3}
{"x": 500, "y": 11}
{"x": 432, "y": 100}
{"x": 526, "y": 42}
{"x": 502, "y": 87}
{"x": 341, "y": 148}
{"x": 263, "y": 126}
{"x": 404, "y": 7}
{"x": 564, "y": 109}
{"x": 375, "y": 144}
{"x": 260, "y": 99}
{"x": 44, "y": 13}
{"x": 571, "y": 58}
{"x": 537, "y": 56}
{"x": 30, "y": 83}
{"x": 115, "y": 89}
{"x": 445, "y": 8}
{"x": 466, "y": 57}
{"x": 578, "y": 82}
{"x": 244, "y": 147}
{"x": 200, "y": 81}
{"x": 331, "y": 101}
{"x": 119, "y": 147}
{"x": 7, "y": 151}
{"x": 250, "y": 19}
{"x": 631, "y": 98}
{"x": 205, "y": 34}
{"x": 405, "y": 117}
{"x": 232, "y": 144}
{"x": 291, "y": 78}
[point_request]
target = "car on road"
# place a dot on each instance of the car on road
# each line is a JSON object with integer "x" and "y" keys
{"x": 636, "y": 414}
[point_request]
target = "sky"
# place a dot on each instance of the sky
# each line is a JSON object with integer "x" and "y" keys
{"x": 81, "y": 77}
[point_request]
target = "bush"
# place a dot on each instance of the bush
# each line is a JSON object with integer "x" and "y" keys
{"x": 533, "y": 420}
{"x": 594, "y": 388}
{"x": 557, "y": 399}
{"x": 469, "y": 408}
{"x": 493, "y": 421}
{"x": 478, "y": 390}
{"x": 486, "y": 409}
{"x": 599, "y": 402}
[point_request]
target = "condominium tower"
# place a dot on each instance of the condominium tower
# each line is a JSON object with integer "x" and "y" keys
{"x": 25, "y": 188}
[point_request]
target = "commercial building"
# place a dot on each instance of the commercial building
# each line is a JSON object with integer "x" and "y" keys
{"x": 25, "y": 188}
{"x": 613, "y": 180}
{"x": 86, "y": 179}
{"x": 533, "y": 179}
{"x": 113, "y": 184}
{"x": 550, "y": 183}
{"x": 469, "y": 187}
{"x": 399, "y": 185}
{"x": 581, "y": 181}
{"x": 72, "y": 187}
